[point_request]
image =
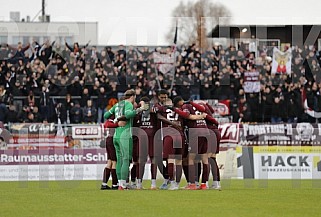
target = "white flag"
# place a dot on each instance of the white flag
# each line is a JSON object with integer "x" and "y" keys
{"x": 281, "y": 62}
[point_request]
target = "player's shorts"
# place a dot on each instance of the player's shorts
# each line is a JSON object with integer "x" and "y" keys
{"x": 110, "y": 148}
{"x": 141, "y": 149}
{"x": 199, "y": 146}
{"x": 214, "y": 144}
{"x": 173, "y": 145}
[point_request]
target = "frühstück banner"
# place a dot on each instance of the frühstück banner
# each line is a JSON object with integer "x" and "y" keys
{"x": 282, "y": 61}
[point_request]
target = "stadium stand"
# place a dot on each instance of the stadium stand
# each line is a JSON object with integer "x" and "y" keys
{"x": 41, "y": 83}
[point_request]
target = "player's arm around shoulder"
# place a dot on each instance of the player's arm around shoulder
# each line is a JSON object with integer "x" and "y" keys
{"x": 110, "y": 112}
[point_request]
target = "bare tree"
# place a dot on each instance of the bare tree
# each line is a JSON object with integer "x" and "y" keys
{"x": 195, "y": 19}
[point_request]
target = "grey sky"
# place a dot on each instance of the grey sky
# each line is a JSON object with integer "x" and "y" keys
{"x": 147, "y": 21}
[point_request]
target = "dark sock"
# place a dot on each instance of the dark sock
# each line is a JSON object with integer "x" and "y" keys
{"x": 191, "y": 173}
{"x": 215, "y": 169}
{"x": 114, "y": 176}
{"x": 140, "y": 170}
{"x": 106, "y": 175}
{"x": 198, "y": 171}
{"x": 179, "y": 172}
{"x": 133, "y": 173}
{"x": 170, "y": 168}
{"x": 185, "y": 169}
{"x": 163, "y": 169}
{"x": 153, "y": 171}
{"x": 205, "y": 173}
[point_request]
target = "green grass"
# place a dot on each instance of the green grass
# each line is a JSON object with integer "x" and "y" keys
{"x": 238, "y": 198}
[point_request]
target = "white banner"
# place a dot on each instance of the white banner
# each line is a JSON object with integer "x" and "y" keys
{"x": 165, "y": 62}
{"x": 282, "y": 61}
{"x": 279, "y": 162}
{"x": 87, "y": 132}
{"x": 251, "y": 82}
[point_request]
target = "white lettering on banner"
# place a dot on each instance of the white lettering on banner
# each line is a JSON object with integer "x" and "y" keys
{"x": 89, "y": 157}
{"x": 87, "y": 132}
{"x": 63, "y": 171}
{"x": 51, "y": 172}
{"x": 37, "y": 140}
{"x": 229, "y": 133}
{"x": 41, "y": 127}
{"x": 264, "y": 129}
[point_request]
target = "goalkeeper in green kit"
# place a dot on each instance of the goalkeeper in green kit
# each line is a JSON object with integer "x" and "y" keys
{"x": 123, "y": 140}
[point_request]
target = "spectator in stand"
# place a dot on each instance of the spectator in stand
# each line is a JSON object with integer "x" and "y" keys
{"x": 44, "y": 103}
{"x": 267, "y": 101}
{"x": 76, "y": 114}
{"x": 101, "y": 104}
{"x": 75, "y": 89}
{"x": 84, "y": 97}
{"x": 12, "y": 115}
{"x": 89, "y": 112}
{"x": 35, "y": 112}
{"x": 314, "y": 101}
{"x": 76, "y": 50}
{"x": 277, "y": 106}
{"x": 3, "y": 111}
{"x": 19, "y": 53}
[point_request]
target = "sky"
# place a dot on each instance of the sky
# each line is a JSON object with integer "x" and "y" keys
{"x": 146, "y": 22}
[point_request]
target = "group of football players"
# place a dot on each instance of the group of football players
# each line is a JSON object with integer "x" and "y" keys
{"x": 175, "y": 135}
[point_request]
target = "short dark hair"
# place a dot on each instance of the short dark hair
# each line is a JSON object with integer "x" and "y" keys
{"x": 162, "y": 91}
{"x": 177, "y": 99}
{"x": 145, "y": 99}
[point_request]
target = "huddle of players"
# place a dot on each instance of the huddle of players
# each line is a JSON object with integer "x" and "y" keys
{"x": 183, "y": 134}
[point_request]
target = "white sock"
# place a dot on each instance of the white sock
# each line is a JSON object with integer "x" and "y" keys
{"x": 139, "y": 183}
{"x": 104, "y": 184}
{"x": 153, "y": 182}
{"x": 122, "y": 183}
{"x": 216, "y": 183}
{"x": 166, "y": 181}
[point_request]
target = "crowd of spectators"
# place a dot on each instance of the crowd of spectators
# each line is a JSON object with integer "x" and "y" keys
{"x": 41, "y": 83}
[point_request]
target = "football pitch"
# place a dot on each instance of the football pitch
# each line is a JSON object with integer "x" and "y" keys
{"x": 237, "y": 198}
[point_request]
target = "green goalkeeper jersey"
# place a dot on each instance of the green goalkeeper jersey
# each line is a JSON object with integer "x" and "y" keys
{"x": 122, "y": 108}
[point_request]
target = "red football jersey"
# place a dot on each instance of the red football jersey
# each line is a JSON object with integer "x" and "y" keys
{"x": 193, "y": 123}
{"x": 146, "y": 120}
{"x": 169, "y": 114}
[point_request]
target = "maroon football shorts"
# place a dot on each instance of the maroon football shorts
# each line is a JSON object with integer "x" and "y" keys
{"x": 110, "y": 148}
{"x": 173, "y": 145}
